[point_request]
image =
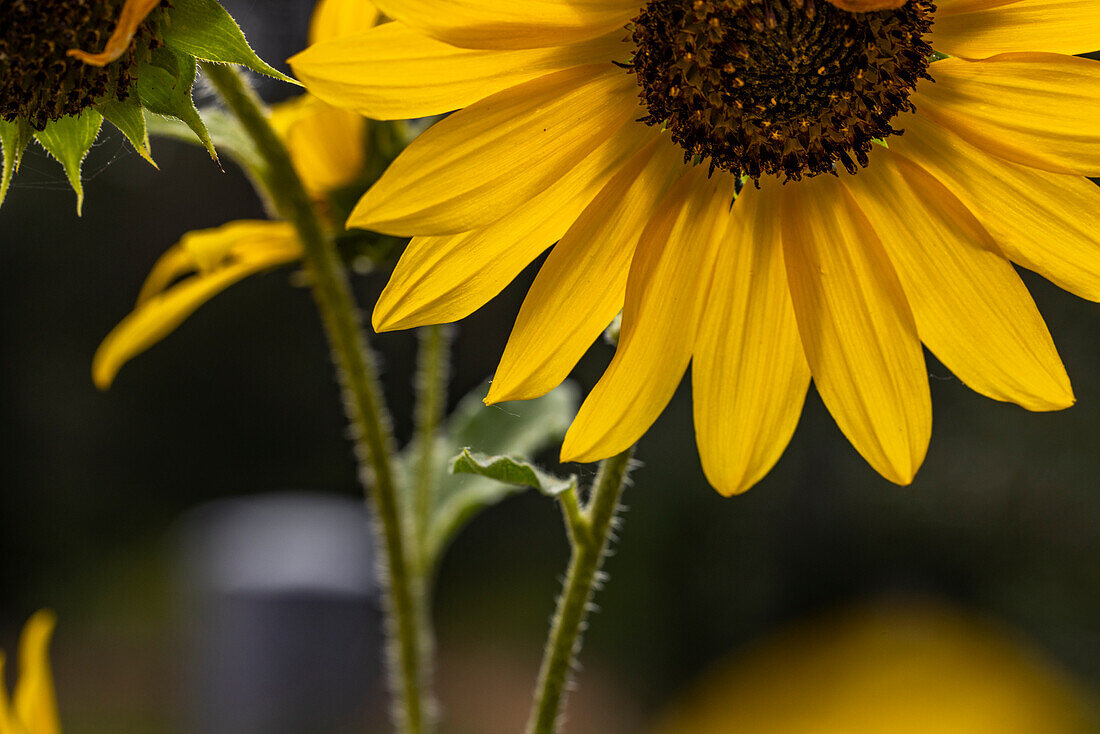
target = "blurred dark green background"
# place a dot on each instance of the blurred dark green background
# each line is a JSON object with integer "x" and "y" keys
{"x": 1004, "y": 517}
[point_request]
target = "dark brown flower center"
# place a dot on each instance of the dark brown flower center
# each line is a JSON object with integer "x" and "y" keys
{"x": 38, "y": 82}
{"x": 782, "y": 87}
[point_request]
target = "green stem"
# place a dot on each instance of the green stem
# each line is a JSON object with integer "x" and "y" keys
{"x": 358, "y": 375}
{"x": 431, "y": 405}
{"x": 590, "y": 536}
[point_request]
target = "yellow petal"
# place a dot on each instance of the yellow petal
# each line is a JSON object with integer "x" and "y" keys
{"x": 749, "y": 375}
{"x": 175, "y": 263}
{"x": 512, "y": 24}
{"x": 245, "y": 248}
{"x": 1057, "y": 26}
{"x": 35, "y": 700}
{"x": 443, "y": 279}
{"x": 483, "y": 162}
{"x": 582, "y": 284}
{"x": 1046, "y": 222}
{"x": 394, "y": 72}
{"x": 326, "y": 143}
{"x": 132, "y": 15}
{"x": 954, "y": 7}
{"x": 336, "y": 18}
{"x": 971, "y": 308}
{"x": 857, "y": 330}
{"x": 666, "y": 290}
{"x": 9, "y": 724}
{"x": 1039, "y": 110}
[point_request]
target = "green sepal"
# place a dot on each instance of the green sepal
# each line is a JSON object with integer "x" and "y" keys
{"x": 225, "y": 131}
{"x": 164, "y": 86}
{"x": 514, "y": 470}
{"x": 205, "y": 30}
{"x": 129, "y": 118}
{"x": 69, "y": 139}
{"x": 14, "y": 139}
{"x": 510, "y": 429}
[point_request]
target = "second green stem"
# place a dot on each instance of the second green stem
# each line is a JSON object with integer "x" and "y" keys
{"x": 358, "y": 375}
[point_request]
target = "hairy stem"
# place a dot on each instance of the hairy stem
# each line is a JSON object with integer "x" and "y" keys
{"x": 431, "y": 405}
{"x": 590, "y": 536}
{"x": 358, "y": 376}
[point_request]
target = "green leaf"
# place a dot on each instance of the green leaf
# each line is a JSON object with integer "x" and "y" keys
{"x": 225, "y": 132}
{"x": 513, "y": 470}
{"x": 205, "y": 30}
{"x": 508, "y": 429}
{"x": 129, "y": 118}
{"x": 68, "y": 140}
{"x": 164, "y": 86}
{"x": 14, "y": 138}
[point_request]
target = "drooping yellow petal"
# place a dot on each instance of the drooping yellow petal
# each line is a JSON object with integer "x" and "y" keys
{"x": 972, "y": 310}
{"x": 337, "y": 18}
{"x": 394, "y": 72}
{"x": 665, "y": 294}
{"x": 483, "y": 162}
{"x": 1039, "y": 110}
{"x": 35, "y": 700}
{"x": 512, "y": 24}
{"x": 749, "y": 375}
{"x": 326, "y": 143}
{"x": 985, "y": 29}
{"x": 222, "y": 256}
{"x": 175, "y": 263}
{"x": 582, "y": 284}
{"x": 446, "y": 278}
{"x": 132, "y": 15}
{"x": 1046, "y": 222}
{"x": 857, "y": 330}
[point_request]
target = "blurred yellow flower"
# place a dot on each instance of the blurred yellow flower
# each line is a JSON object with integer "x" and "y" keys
{"x": 625, "y": 131}
{"x": 886, "y": 668}
{"x": 33, "y": 709}
{"x": 326, "y": 145}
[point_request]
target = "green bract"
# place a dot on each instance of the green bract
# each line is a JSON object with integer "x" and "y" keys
{"x": 155, "y": 74}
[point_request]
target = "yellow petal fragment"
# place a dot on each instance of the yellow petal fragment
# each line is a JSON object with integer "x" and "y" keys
{"x": 857, "y": 330}
{"x": 665, "y": 294}
{"x": 9, "y": 724}
{"x": 954, "y": 7}
{"x": 979, "y": 29}
{"x": 394, "y": 72}
{"x": 223, "y": 257}
{"x": 35, "y": 700}
{"x": 483, "y": 162}
{"x": 1039, "y": 110}
{"x": 132, "y": 15}
{"x": 749, "y": 375}
{"x": 336, "y": 18}
{"x": 1046, "y": 222}
{"x": 972, "y": 310}
{"x": 326, "y": 143}
{"x": 513, "y": 24}
{"x": 443, "y": 279}
{"x": 582, "y": 284}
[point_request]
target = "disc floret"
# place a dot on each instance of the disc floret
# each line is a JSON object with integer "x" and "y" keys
{"x": 789, "y": 88}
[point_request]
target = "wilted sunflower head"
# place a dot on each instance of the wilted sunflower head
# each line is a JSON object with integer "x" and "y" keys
{"x": 66, "y": 65}
{"x": 41, "y": 81}
{"x": 617, "y": 136}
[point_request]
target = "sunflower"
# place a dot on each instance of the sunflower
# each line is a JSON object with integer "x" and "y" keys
{"x": 326, "y": 146}
{"x": 771, "y": 191}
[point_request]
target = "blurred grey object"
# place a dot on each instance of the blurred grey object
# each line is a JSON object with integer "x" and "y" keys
{"x": 279, "y": 625}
